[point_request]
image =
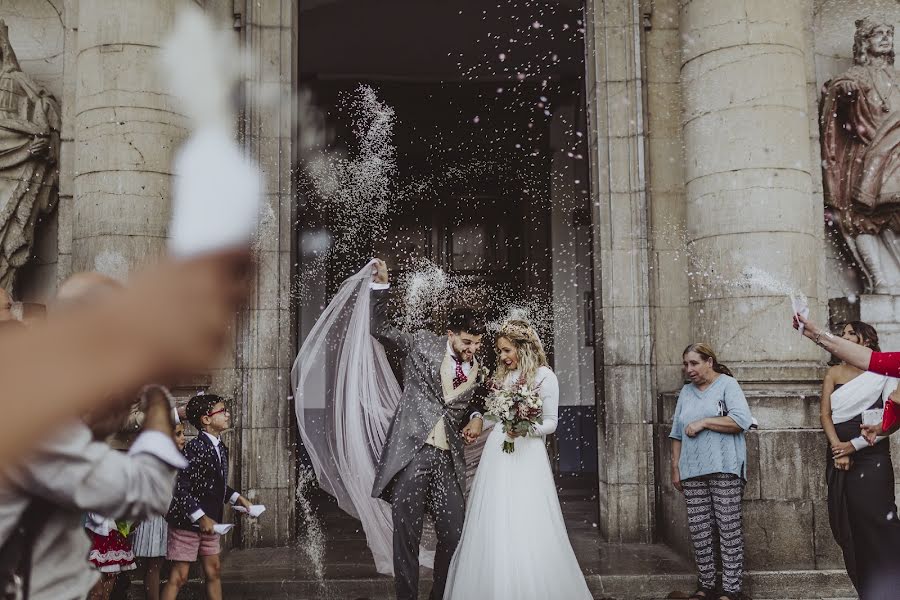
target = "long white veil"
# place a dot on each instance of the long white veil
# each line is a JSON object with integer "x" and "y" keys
{"x": 345, "y": 394}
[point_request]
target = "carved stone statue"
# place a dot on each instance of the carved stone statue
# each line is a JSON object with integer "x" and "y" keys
{"x": 29, "y": 151}
{"x": 860, "y": 126}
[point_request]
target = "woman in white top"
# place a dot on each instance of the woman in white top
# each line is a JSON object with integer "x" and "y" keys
{"x": 514, "y": 544}
{"x": 860, "y": 478}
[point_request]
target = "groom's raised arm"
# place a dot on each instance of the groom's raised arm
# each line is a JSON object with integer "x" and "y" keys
{"x": 380, "y": 325}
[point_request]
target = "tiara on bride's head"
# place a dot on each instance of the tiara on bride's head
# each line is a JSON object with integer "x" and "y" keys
{"x": 519, "y": 328}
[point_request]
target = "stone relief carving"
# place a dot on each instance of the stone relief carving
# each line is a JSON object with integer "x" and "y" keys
{"x": 29, "y": 152}
{"x": 860, "y": 127}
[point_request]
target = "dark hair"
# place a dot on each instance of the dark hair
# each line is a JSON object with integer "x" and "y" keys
{"x": 867, "y": 334}
{"x": 706, "y": 353}
{"x": 200, "y": 406}
{"x": 466, "y": 319}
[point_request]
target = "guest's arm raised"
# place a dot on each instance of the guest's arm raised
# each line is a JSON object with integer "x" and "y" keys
{"x": 172, "y": 322}
{"x": 850, "y": 352}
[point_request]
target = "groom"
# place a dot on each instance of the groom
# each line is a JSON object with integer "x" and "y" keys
{"x": 422, "y": 467}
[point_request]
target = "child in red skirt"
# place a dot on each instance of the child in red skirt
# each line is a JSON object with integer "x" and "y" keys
{"x": 110, "y": 552}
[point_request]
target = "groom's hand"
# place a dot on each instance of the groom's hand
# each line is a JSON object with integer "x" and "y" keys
{"x": 381, "y": 271}
{"x": 471, "y": 431}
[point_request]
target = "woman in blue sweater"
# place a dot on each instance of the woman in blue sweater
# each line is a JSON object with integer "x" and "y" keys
{"x": 709, "y": 466}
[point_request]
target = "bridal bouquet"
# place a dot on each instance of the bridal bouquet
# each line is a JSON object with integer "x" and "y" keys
{"x": 517, "y": 407}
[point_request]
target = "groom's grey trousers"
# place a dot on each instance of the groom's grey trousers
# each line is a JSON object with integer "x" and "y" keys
{"x": 427, "y": 483}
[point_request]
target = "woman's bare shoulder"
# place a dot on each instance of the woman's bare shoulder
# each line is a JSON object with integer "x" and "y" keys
{"x": 842, "y": 373}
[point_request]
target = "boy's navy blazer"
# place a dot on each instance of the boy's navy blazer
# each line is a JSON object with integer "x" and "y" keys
{"x": 202, "y": 485}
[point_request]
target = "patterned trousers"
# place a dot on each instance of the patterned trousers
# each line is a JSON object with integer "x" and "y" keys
{"x": 714, "y": 507}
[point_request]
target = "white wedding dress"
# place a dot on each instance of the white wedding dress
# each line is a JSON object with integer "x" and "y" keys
{"x": 514, "y": 544}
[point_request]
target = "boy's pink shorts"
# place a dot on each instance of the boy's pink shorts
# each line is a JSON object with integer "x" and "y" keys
{"x": 184, "y": 545}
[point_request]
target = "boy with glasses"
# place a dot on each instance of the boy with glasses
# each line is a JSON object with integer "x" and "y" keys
{"x": 200, "y": 496}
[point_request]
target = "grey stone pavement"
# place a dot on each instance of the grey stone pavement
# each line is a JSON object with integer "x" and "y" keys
{"x": 613, "y": 571}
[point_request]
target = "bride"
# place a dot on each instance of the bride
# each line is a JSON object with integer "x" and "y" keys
{"x": 514, "y": 543}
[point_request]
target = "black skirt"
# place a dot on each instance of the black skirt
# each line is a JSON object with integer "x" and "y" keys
{"x": 863, "y": 516}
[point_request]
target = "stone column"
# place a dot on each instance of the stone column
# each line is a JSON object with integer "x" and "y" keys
{"x": 748, "y": 181}
{"x": 267, "y": 342}
{"x": 126, "y": 129}
{"x": 617, "y": 139}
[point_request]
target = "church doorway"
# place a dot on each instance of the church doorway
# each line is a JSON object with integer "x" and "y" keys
{"x": 490, "y": 183}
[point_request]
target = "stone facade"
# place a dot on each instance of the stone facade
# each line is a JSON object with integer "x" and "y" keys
{"x": 704, "y": 159}
{"x": 120, "y": 130}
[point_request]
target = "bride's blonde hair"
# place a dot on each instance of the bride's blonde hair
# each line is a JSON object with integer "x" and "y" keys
{"x": 529, "y": 348}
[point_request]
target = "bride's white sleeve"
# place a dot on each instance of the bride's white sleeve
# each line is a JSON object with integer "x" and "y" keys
{"x": 549, "y": 391}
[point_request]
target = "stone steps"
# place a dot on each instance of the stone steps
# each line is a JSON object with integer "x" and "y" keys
{"x": 761, "y": 585}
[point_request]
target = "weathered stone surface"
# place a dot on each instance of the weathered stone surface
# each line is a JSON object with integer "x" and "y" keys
{"x": 671, "y": 521}
{"x": 268, "y": 399}
{"x": 790, "y": 464}
{"x": 267, "y": 347}
{"x": 778, "y": 534}
{"x": 779, "y": 200}
{"x": 278, "y": 526}
{"x": 262, "y": 452}
{"x": 668, "y": 277}
{"x": 36, "y": 33}
{"x": 737, "y": 142}
{"x": 127, "y": 129}
{"x": 882, "y": 312}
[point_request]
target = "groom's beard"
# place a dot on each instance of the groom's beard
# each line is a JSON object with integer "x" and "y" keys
{"x": 465, "y": 354}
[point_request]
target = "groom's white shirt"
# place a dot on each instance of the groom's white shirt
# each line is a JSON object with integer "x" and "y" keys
{"x": 466, "y": 366}
{"x": 438, "y": 435}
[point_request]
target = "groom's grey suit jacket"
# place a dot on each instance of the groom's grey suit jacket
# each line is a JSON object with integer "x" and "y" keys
{"x": 428, "y": 395}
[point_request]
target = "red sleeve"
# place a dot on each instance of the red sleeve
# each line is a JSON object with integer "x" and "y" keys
{"x": 891, "y": 416}
{"x": 885, "y": 363}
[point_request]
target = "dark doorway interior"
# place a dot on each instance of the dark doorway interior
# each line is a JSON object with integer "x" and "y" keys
{"x": 491, "y": 148}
